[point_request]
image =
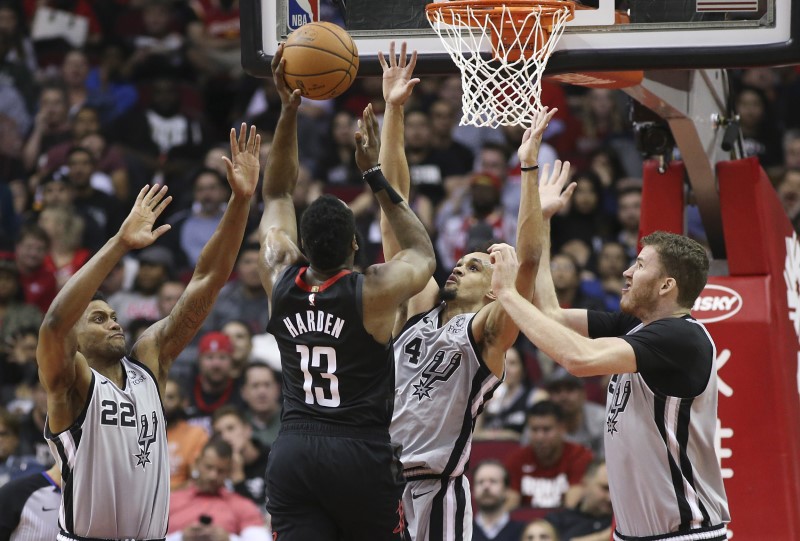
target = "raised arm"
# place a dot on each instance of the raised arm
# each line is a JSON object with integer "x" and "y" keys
{"x": 277, "y": 232}
{"x": 493, "y": 327}
{"x": 409, "y": 270}
{"x": 554, "y": 197}
{"x": 162, "y": 342}
{"x": 580, "y": 355}
{"x": 63, "y": 370}
{"x": 397, "y": 87}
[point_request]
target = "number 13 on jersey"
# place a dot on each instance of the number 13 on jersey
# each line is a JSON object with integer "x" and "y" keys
{"x": 313, "y": 360}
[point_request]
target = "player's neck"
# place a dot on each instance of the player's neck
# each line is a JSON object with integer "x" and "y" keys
{"x": 664, "y": 312}
{"x": 316, "y": 277}
{"x": 454, "y": 308}
{"x": 112, "y": 369}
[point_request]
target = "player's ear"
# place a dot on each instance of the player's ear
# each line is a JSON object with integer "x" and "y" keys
{"x": 354, "y": 244}
{"x": 491, "y": 296}
{"x": 668, "y": 285}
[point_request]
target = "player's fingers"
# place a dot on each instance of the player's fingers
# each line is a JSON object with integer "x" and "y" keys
{"x": 402, "y": 60}
{"x": 142, "y": 192}
{"x": 161, "y": 206}
{"x": 382, "y": 60}
{"x": 251, "y": 139}
{"x": 242, "y": 137}
{"x": 234, "y": 144}
{"x": 413, "y": 62}
{"x": 160, "y": 230}
{"x": 566, "y": 194}
{"x": 228, "y": 166}
{"x": 392, "y": 58}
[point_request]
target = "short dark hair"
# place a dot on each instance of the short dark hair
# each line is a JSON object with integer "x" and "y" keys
{"x": 209, "y": 171}
{"x": 493, "y": 462}
{"x": 76, "y": 149}
{"x": 255, "y": 365}
{"x": 327, "y": 229}
{"x": 99, "y": 296}
{"x": 683, "y": 259}
{"x": 248, "y": 247}
{"x": 545, "y": 408}
{"x": 33, "y": 230}
{"x": 228, "y": 409}
{"x": 219, "y": 446}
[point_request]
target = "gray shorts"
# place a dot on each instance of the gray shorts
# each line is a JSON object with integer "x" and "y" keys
{"x": 438, "y": 509}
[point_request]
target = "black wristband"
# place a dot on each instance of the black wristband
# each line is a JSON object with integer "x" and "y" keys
{"x": 531, "y": 168}
{"x": 377, "y": 182}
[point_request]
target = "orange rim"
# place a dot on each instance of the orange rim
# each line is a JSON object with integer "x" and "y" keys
{"x": 497, "y": 8}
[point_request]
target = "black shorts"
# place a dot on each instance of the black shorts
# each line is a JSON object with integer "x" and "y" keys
{"x": 332, "y": 483}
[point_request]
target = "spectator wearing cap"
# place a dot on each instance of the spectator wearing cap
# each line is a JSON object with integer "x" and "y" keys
{"x": 486, "y": 213}
{"x": 584, "y": 421}
{"x": 155, "y": 267}
{"x": 243, "y": 298}
{"x": 38, "y": 283}
{"x": 214, "y": 385}
{"x": 543, "y": 471}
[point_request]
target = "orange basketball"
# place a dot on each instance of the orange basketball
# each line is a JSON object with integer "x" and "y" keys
{"x": 321, "y": 60}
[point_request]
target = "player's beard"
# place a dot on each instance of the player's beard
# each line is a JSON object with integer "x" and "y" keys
{"x": 447, "y": 294}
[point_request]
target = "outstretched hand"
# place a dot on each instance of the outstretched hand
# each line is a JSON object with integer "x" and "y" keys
{"x": 397, "y": 81}
{"x": 368, "y": 141}
{"x": 244, "y": 167}
{"x": 532, "y": 139}
{"x": 137, "y": 229}
{"x": 289, "y": 98}
{"x": 504, "y": 267}
{"x": 551, "y": 188}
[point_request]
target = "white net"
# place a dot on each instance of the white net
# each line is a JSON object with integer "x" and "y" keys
{"x": 506, "y": 89}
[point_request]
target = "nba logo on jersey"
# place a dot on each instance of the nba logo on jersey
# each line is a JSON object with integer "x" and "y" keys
{"x": 302, "y": 12}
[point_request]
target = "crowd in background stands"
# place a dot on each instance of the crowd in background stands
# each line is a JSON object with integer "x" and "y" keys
{"x": 149, "y": 97}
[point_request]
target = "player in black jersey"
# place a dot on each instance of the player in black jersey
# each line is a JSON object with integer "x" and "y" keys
{"x": 332, "y": 472}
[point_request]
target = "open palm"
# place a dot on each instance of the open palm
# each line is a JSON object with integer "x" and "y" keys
{"x": 551, "y": 188}
{"x": 397, "y": 81}
{"x": 244, "y": 167}
{"x": 137, "y": 229}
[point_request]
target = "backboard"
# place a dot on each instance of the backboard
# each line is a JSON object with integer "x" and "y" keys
{"x": 657, "y": 34}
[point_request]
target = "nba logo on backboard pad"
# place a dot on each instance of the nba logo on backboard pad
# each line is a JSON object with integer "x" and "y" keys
{"x": 302, "y": 12}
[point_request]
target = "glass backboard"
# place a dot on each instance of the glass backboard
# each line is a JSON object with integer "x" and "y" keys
{"x": 604, "y": 35}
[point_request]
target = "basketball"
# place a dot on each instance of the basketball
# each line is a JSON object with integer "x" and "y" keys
{"x": 321, "y": 60}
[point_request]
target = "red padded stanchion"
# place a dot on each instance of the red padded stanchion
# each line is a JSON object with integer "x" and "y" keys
{"x": 749, "y": 315}
{"x": 662, "y": 199}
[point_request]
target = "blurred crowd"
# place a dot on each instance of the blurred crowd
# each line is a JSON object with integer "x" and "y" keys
{"x": 146, "y": 91}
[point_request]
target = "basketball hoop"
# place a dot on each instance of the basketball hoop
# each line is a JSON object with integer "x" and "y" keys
{"x": 506, "y": 88}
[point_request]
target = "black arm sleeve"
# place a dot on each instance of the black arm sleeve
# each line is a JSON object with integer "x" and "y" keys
{"x": 674, "y": 356}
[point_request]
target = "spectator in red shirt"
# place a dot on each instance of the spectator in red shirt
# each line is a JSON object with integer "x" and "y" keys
{"x": 543, "y": 471}
{"x": 206, "y": 510}
{"x": 38, "y": 283}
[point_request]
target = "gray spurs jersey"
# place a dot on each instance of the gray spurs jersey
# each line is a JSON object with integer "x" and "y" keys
{"x": 114, "y": 461}
{"x": 664, "y": 475}
{"x": 441, "y": 384}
